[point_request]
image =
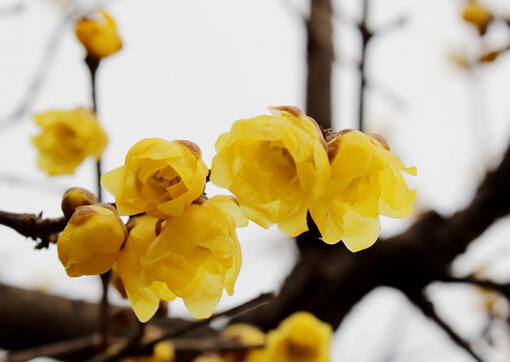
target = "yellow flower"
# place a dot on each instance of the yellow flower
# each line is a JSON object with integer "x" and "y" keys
{"x": 98, "y": 34}
{"x": 275, "y": 165}
{"x": 246, "y": 335}
{"x": 365, "y": 181}
{"x": 159, "y": 177}
{"x": 163, "y": 352}
{"x": 145, "y": 301}
{"x": 209, "y": 357}
{"x": 197, "y": 254}
{"x": 91, "y": 241}
{"x": 477, "y": 15}
{"x": 299, "y": 338}
{"x": 68, "y": 137}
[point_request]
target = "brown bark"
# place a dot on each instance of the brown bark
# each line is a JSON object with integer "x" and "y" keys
{"x": 320, "y": 59}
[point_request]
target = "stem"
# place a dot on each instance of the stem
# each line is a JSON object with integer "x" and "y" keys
{"x": 98, "y": 179}
{"x": 93, "y": 65}
{"x": 104, "y": 309}
{"x": 366, "y": 35}
{"x": 320, "y": 62}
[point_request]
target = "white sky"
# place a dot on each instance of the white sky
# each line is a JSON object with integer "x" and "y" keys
{"x": 188, "y": 69}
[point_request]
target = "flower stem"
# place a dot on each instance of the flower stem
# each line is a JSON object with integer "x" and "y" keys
{"x": 93, "y": 65}
{"x": 104, "y": 309}
{"x": 366, "y": 36}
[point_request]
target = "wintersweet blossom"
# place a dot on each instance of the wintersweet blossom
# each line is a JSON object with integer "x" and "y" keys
{"x": 197, "y": 254}
{"x": 67, "y": 138}
{"x": 366, "y": 181}
{"x": 91, "y": 240}
{"x": 478, "y": 15}
{"x": 158, "y": 177}
{"x": 247, "y": 335}
{"x": 98, "y": 34}
{"x": 163, "y": 352}
{"x": 145, "y": 301}
{"x": 275, "y": 165}
{"x": 301, "y": 337}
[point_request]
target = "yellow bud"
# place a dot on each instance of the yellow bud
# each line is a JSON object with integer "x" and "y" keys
{"x": 91, "y": 241}
{"x": 247, "y": 335}
{"x": 192, "y": 146}
{"x": 98, "y": 34}
{"x": 478, "y": 15}
{"x": 75, "y": 197}
{"x": 489, "y": 57}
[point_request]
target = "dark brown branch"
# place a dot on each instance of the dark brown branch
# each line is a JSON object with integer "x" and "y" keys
{"x": 34, "y": 226}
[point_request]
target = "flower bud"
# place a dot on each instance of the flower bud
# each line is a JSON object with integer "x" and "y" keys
{"x": 478, "y": 15}
{"x": 75, "y": 197}
{"x": 91, "y": 241}
{"x": 98, "y": 34}
{"x": 300, "y": 337}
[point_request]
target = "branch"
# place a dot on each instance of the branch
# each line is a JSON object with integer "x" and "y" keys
{"x": 428, "y": 309}
{"x": 148, "y": 347}
{"x": 320, "y": 59}
{"x": 34, "y": 226}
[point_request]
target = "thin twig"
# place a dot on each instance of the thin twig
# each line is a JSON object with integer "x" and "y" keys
{"x": 104, "y": 308}
{"x": 40, "y": 74}
{"x": 428, "y": 309}
{"x": 93, "y": 65}
{"x": 147, "y": 348}
{"x": 366, "y": 36}
{"x": 54, "y": 350}
{"x": 504, "y": 289}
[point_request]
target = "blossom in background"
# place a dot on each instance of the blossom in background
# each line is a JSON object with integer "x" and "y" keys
{"x": 478, "y": 15}
{"x": 197, "y": 254}
{"x": 301, "y": 337}
{"x": 145, "y": 301}
{"x": 158, "y": 177}
{"x": 163, "y": 352}
{"x": 67, "y": 138}
{"x": 246, "y": 335}
{"x": 209, "y": 357}
{"x": 98, "y": 34}
{"x": 91, "y": 240}
{"x": 366, "y": 181}
{"x": 275, "y": 166}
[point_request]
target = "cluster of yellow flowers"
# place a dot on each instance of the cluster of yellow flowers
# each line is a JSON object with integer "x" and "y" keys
{"x": 281, "y": 167}
{"x": 299, "y": 338}
{"x": 179, "y": 243}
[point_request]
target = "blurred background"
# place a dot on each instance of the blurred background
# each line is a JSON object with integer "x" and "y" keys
{"x": 188, "y": 69}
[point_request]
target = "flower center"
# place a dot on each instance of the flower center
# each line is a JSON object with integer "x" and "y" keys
{"x": 300, "y": 352}
{"x": 166, "y": 183}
